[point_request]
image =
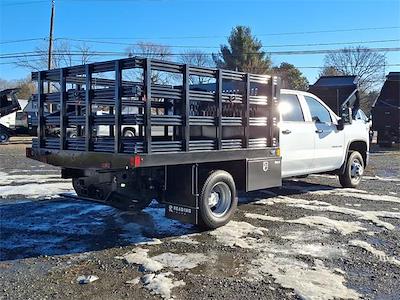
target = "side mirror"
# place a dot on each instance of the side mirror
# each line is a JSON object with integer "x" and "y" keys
{"x": 346, "y": 115}
{"x": 340, "y": 125}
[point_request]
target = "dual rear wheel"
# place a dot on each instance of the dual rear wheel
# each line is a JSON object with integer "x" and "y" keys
{"x": 217, "y": 199}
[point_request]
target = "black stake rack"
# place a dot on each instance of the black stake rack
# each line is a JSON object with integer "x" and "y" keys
{"x": 232, "y": 111}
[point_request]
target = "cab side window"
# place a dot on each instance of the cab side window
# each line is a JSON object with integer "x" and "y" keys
{"x": 318, "y": 112}
{"x": 290, "y": 108}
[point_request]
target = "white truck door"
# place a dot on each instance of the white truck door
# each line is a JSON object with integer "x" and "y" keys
{"x": 296, "y": 137}
{"x": 329, "y": 141}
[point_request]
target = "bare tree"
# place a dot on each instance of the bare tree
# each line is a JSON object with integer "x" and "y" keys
{"x": 150, "y": 50}
{"x": 26, "y": 87}
{"x": 368, "y": 65}
{"x": 153, "y": 51}
{"x": 64, "y": 55}
{"x": 330, "y": 71}
{"x": 200, "y": 59}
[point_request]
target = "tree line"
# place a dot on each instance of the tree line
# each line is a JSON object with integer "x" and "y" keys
{"x": 242, "y": 52}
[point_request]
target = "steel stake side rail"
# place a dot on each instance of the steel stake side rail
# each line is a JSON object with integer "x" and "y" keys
{"x": 236, "y": 120}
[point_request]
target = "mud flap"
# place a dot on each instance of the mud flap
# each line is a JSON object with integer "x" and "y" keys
{"x": 182, "y": 192}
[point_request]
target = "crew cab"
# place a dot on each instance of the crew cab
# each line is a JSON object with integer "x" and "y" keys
{"x": 313, "y": 139}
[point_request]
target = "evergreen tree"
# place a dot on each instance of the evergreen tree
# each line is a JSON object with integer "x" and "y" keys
{"x": 243, "y": 53}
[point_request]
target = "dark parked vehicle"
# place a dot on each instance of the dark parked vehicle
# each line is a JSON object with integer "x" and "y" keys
{"x": 339, "y": 93}
{"x": 8, "y": 104}
{"x": 386, "y": 111}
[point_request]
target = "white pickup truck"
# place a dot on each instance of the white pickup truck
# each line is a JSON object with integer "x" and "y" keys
{"x": 313, "y": 139}
{"x": 194, "y": 146}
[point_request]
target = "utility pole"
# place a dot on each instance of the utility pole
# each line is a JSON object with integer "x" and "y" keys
{"x": 50, "y": 41}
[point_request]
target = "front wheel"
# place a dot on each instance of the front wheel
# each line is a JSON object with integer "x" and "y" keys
{"x": 218, "y": 199}
{"x": 353, "y": 172}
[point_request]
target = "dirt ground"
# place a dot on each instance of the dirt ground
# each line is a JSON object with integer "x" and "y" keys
{"x": 309, "y": 239}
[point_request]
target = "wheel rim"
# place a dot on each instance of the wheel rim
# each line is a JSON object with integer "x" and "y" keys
{"x": 129, "y": 134}
{"x": 220, "y": 199}
{"x": 356, "y": 170}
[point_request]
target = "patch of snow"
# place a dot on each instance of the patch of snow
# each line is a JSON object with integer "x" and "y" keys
{"x": 288, "y": 200}
{"x": 382, "y": 256}
{"x": 370, "y": 197}
{"x": 347, "y": 192}
{"x": 153, "y": 241}
{"x": 133, "y": 281}
{"x": 281, "y": 260}
{"x": 140, "y": 257}
{"x": 392, "y": 179}
{"x": 232, "y": 234}
{"x": 322, "y": 223}
{"x": 353, "y": 204}
{"x": 161, "y": 284}
{"x": 186, "y": 239}
{"x": 34, "y": 190}
{"x": 83, "y": 279}
{"x": 372, "y": 216}
{"x": 17, "y": 171}
{"x": 308, "y": 235}
{"x": 309, "y": 282}
{"x": 30, "y": 178}
{"x": 180, "y": 262}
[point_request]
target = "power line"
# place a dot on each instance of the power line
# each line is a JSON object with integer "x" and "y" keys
{"x": 23, "y": 40}
{"x": 15, "y": 3}
{"x": 288, "y": 52}
{"x": 102, "y": 39}
{"x": 298, "y": 67}
{"x": 257, "y": 35}
{"x": 214, "y": 47}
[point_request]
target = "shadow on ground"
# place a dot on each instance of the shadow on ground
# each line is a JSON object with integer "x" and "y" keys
{"x": 65, "y": 226}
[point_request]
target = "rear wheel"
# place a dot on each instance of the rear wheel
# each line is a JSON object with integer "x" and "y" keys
{"x": 129, "y": 132}
{"x": 353, "y": 172}
{"x": 218, "y": 199}
{"x": 121, "y": 196}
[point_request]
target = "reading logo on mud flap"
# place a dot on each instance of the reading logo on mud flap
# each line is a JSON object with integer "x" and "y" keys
{"x": 179, "y": 209}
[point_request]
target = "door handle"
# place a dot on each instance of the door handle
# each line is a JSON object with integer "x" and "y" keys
{"x": 286, "y": 131}
{"x": 319, "y": 131}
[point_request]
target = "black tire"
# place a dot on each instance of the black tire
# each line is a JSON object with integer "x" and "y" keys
{"x": 353, "y": 172}
{"x": 129, "y": 132}
{"x": 220, "y": 184}
{"x": 4, "y": 137}
{"x": 102, "y": 192}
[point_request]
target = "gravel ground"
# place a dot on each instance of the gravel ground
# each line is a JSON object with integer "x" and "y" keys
{"x": 309, "y": 239}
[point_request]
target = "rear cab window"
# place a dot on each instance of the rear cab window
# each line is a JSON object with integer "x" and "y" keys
{"x": 290, "y": 108}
